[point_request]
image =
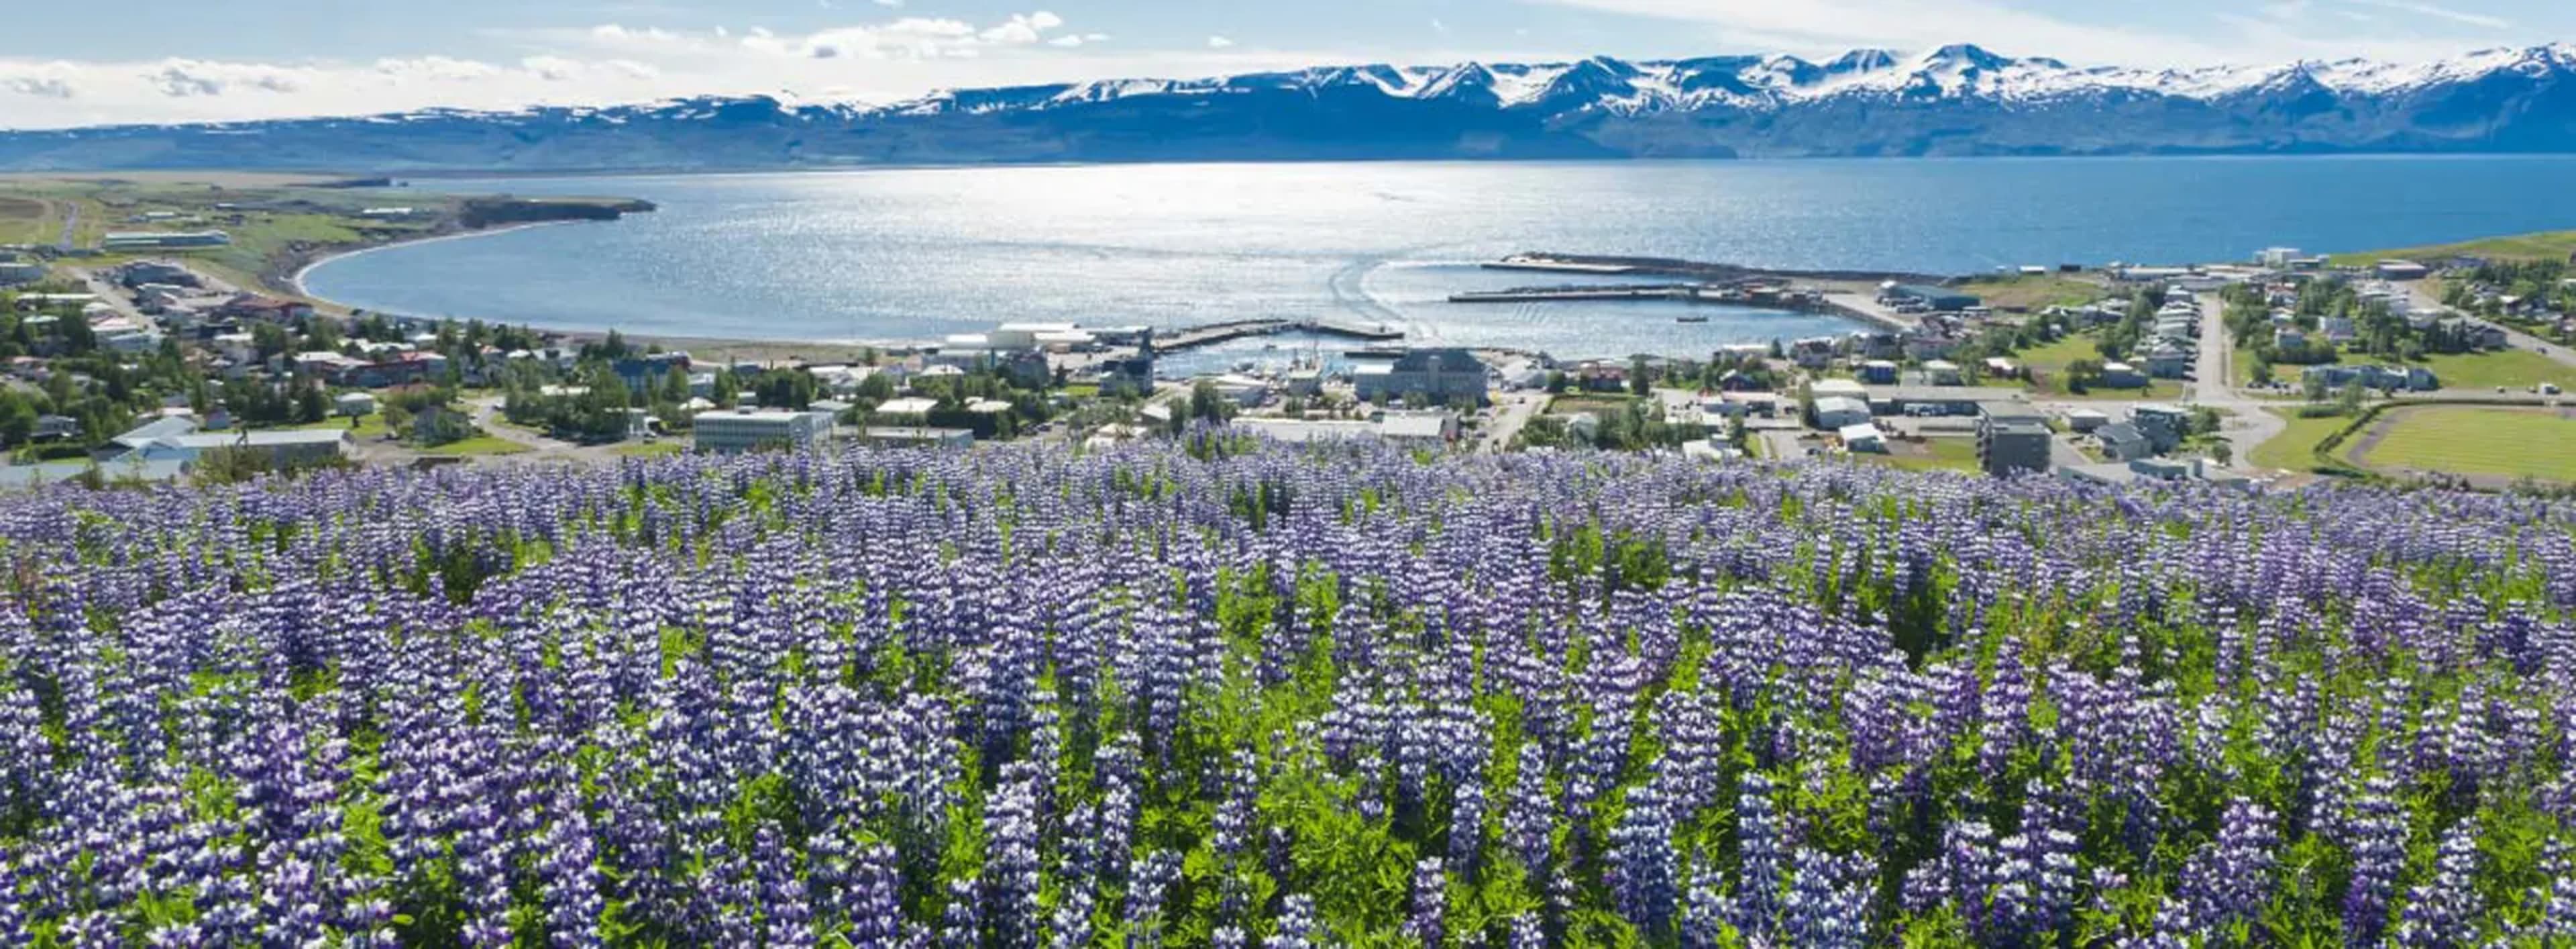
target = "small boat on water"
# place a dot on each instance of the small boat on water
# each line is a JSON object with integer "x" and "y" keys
{"x": 1690, "y": 319}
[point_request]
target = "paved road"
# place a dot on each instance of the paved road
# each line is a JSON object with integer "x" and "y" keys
{"x": 487, "y": 412}
{"x": 71, "y": 224}
{"x": 2248, "y": 424}
{"x": 1512, "y": 412}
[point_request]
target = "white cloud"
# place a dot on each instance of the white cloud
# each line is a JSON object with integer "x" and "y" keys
{"x": 1219, "y": 42}
{"x": 2466, "y": 18}
{"x": 39, "y": 86}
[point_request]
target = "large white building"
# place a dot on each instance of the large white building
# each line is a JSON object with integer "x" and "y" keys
{"x": 744, "y": 430}
{"x": 1439, "y": 375}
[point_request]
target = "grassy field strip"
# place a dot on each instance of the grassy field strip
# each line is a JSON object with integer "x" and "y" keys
{"x": 2471, "y": 441}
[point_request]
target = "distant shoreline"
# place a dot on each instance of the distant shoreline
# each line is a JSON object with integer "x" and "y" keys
{"x": 295, "y": 280}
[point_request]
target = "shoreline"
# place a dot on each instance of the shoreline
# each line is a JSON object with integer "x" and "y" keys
{"x": 294, "y": 281}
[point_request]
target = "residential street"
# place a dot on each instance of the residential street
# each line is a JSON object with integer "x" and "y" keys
{"x": 2248, "y": 423}
{"x": 2422, "y": 292}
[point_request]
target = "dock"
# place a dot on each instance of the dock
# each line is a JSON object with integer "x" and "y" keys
{"x": 1213, "y": 333}
{"x": 1549, "y": 264}
{"x": 1850, "y": 294}
{"x": 1660, "y": 291}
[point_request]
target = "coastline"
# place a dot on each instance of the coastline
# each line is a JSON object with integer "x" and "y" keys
{"x": 751, "y": 350}
{"x": 294, "y": 281}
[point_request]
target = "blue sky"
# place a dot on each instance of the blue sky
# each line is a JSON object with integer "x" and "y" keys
{"x": 168, "y": 60}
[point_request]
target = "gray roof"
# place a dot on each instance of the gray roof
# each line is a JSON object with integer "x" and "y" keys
{"x": 2119, "y": 434}
{"x": 160, "y": 428}
{"x": 1943, "y": 394}
{"x": 2009, "y": 411}
{"x": 1439, "y": 360}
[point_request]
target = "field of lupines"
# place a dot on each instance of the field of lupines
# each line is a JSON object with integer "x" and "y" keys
{"x": 1223, "y": 696}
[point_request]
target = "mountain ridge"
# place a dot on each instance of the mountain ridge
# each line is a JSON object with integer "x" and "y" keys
{"x": 1960, "y": 99}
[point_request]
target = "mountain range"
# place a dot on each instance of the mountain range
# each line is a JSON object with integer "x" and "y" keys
{"x": 1956, "y": 100}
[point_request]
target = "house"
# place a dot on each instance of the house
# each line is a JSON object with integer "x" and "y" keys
{"x": 1748, "y": 404}
{"x": 1931, "y": 346}
{"x": 1601, "y": 377}
{"x": 2124, "y": 442}
{"x": 1812, "y": 353}
{"x": 1249, "y": 391}
{"x": 143, "y": 273}
{"x": 2120, "y": 375}
{"x": 2012, "y": 438}
{"x": 283, "y": 448}
{"x": 1134, "y": 376}
{"x": 2168, "y": 361}
{"x": 1863, "y": 437}
{"x": 2401, "y": 270}
{"x": 1300, "y": 431}
{"x": 914, "y": 406}
{"x": 1938, "y": 299}
{"x": 2087, "y": 421}
{"x": 1836, "y": 412}
{"x": 1517, "y": 374}
{"x": 2333, "y": 377}
{"x": 2289, "y": 337}
{"x": 1838, "y": 387}
{"x": 127, "y": 242}
{"x": 2164, "y": 425}
{"x": 1942, "y": 372}
{"x": 1440, "y": 376}
{"x": 354, "y": 404}
{"x": 1936, "y": 400}
{"x": 14, "y": 273}
{"x": 2337, "y": 329}
{"x": 746, "y": 429}
{"x": 250, "y": 307}
{"x": 1418, "y": 428}
{"x": 916, "y": 437}
{"x": 2002, "y": 368}
{"x": 2473, "y": 335}
{"x": 55, "y": 428}
{"x": 1878, "y": 372}
{"x": 1736, "y": 380}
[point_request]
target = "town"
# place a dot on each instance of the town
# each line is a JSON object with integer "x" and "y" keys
{"x": 140, "y": 363}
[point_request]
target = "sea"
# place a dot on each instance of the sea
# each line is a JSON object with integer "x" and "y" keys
{"x": 911, "y": 254}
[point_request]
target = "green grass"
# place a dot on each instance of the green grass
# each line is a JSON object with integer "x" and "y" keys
{"x": 2513, "y": 368}
{"x": 2294, "y": 449}
{"x": 646, "y": 449}
{"x": 369, "y": 428}
{"x": 1939, "y": 454}
{"x": 2550, "y": 245}
{"x": 2054, "y": 357}
{"x": 477, "y": 446}
{"x": 2474, "y": 440}
{"x": 1595, "y": 402}
{"x": 27, "y": 221}
{"x": 2019, "y": 292}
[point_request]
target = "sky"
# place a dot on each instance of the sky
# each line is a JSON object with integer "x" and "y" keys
{"x": 72, "y": 64}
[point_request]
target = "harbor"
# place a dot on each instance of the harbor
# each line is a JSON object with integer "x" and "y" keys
{"x": 1852, "y": 294}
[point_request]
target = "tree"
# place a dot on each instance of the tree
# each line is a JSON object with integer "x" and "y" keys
{"x": 1639, "y": 381}
{"x": 311, "y": 405}
{"x": 1206, "y": 403}
{"x": 2262, "y": 372}
{"x": 1556, "y": 383}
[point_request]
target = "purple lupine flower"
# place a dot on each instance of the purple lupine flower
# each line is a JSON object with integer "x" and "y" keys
{"x": 1430, "y": 903}
{"x": 2442, "y": 912}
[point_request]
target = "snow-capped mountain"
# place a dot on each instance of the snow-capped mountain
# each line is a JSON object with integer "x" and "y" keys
{"x": 1956, "y": 100}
